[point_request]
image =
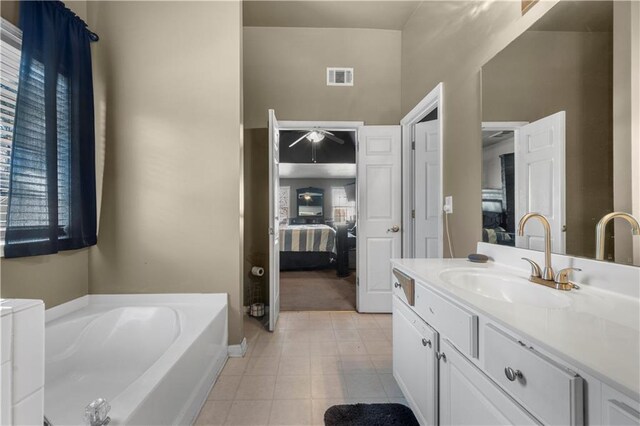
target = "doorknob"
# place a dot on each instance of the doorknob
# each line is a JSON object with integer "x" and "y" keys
{"x": 394, "y": 228}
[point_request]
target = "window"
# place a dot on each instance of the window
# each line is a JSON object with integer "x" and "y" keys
{"x": 283, "y": 202}
{"x": 10, "y": 42}
{"x": 343, "y": 209}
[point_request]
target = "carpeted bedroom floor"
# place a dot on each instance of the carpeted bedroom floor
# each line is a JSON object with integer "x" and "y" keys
{"x": 317, "y": 291}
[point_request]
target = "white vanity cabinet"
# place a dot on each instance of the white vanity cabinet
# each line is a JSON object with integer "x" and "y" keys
{"x": 415, "y": 362}
{"x": 469, "y": 397}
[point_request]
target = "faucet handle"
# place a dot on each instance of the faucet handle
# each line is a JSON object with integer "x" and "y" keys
{"x": 535, "y": 268}
{"x": 562, "y": 277}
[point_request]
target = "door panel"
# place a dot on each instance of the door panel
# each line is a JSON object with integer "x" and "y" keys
{"x": 274, "y": 220}
{"x": 379, "y": 215}
{"x": 428, "y": 197}
{"x": 540, "y": 180}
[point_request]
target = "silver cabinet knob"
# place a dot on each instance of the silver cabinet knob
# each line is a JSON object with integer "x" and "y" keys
{"x": 397, "y": 285}
{"x": 394, "y": 228}
{"x": 426, "y": 342}
{"x": 512, "y": 374}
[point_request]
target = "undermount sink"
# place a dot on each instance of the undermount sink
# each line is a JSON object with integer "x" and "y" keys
{"x": 504, "y": 287}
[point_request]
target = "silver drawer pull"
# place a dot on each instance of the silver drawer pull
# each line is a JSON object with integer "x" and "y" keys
{"x": 397, "y": 285}
{"x": 441, "y": 356}
{"x": 512, "y": 374}
{"x": 426, "y": 342}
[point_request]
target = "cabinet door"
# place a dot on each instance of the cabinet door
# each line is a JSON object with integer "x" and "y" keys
{"x": 469, "y": 397}
{"x": 414, "y": 362}
{"x": 619, "y": 409}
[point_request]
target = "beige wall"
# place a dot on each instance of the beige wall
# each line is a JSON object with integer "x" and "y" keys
{"x": 285, "y": 69}
{"x": 448, "y": 42}
{"x": 171, "y": 204}
{"x": 543, "y": 72}
{"x": 56, "y": 278}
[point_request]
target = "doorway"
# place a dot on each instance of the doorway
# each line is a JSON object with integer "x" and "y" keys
{"x": 317, "y": 212}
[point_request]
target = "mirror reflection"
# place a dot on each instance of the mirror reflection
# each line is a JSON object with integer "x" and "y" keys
{"x": 551, "y": 142}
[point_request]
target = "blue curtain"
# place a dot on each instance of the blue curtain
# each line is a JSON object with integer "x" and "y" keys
{"x": 52, "y": 191}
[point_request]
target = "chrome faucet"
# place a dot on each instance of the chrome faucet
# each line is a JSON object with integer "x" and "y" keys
{"x": 545, "y": 277}
{"x": 601, "y": 227}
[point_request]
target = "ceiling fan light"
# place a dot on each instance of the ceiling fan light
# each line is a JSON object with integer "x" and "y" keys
{"x": 315, "y": 137}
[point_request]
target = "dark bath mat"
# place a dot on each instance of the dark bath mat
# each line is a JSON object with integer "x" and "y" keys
{"x": 370, "y": 415}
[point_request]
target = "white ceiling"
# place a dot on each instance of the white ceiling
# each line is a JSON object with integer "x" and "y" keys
{"x": 385, "y": 15}
{"x": 326, "y": 170}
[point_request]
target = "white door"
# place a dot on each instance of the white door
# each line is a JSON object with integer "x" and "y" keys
{"x": 274, "y": 221}
{"x": 540, "y": 180}
{"x": 468, "y": 397}
{"x": 379, "y": 214}
{"x": 427, "y": 190}
{"x": 415, "y": 363}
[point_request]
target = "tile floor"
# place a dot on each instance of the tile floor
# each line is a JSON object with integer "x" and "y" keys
{"x": 312, "y": 361}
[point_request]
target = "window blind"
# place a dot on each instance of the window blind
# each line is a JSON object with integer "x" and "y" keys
{"x": 10, "y": 43}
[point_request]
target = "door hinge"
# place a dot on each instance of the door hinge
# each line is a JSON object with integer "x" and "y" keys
{"x": 270, "y": 231}
{"x": 413, "y": 214}
{"x": 357, "y": 281}
{"x": 413, "y": 145}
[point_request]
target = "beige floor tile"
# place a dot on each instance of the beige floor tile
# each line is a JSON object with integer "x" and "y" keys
{"x": 378, "y": 400}
{"x": 390, "y": 386}
{"x": 291, "y": 412}
{"x": 292, "y": 387}
{"x": 384, "y": 320}
{"x": 322, "y": 315}
{"x": 253, "y": 413}
{"x": 294, "y": 315}
{"x": 319, "y": 348}
{"x": 327, "y": 335}
{"x": 382, "y": 363}
{"x": 378, "y": 347}
{"x": 320, "y": 406}
{"x": 266, "y": 349}
{"x": 346, "y": 335}
{"x": 351, "y": 348}
{"x": 299, "y": 324}
{"x": 235, "y": 366}
{"x": 343, "y": 323}
{"x": 357, "y": 364}
{"x": 256, "y": 387}
{"x": 366, "y": 322}
{"x": 325, "y": 324}
{"x": 213, "y": 413}
{"x": 294, "y": 366}
{"x": 328, "y": 386}
{"x": 297, "y": 336}
{"x": 295, "y": 349}
{"x": 342, "y": 314}
{"x": 225, "y": 388}
{"x": 364, "y": 386}
{"x": 372, "y": 334}
{"x": 325, "y": 365}
{"x": 262, "y": 366}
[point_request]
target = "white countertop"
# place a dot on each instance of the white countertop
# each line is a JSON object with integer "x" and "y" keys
{"x": 599, "y": 332}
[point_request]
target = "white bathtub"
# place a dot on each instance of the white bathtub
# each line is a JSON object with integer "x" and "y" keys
{"x": 152, "y": 357}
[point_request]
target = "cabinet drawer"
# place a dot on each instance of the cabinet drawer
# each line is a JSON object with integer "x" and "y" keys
{"x": 450, "y": 319}
{"x": 404, "y": 287}
{"x": 551, "y": 392}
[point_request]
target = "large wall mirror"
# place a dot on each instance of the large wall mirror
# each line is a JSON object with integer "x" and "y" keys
{"x": 556, "y": 139}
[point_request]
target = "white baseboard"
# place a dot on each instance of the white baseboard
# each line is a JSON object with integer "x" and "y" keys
{"x": 238, "y": 351}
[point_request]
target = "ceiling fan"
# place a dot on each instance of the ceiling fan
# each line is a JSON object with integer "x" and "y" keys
{"x": 317, "y": 135}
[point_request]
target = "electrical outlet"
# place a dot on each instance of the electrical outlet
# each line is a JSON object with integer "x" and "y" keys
{"x": 448, "y": 204}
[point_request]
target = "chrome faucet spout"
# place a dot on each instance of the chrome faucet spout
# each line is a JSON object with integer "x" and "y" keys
{"x": 601, "y": 228}
{"x": 547, "y": 272}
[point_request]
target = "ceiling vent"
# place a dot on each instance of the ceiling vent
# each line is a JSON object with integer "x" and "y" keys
{"x": 339, "y": 76}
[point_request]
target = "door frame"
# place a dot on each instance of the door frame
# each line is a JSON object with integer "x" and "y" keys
{"x": 434, "y": 99}
{"x": 345, "y": 126}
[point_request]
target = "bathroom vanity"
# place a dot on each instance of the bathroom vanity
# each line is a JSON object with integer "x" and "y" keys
{"x": 480, "y": 344}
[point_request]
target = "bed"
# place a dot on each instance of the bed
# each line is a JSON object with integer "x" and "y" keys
{"x": 309, "y": 246}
